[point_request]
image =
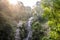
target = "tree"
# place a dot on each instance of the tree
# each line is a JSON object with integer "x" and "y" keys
{"x": 37, "y": 26}
{"x": 38, "y": 31}
{"x": 52, "y": 14}
{"x": 7, "y": 26}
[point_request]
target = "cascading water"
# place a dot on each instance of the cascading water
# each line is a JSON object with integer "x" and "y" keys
{"x": 17, "y": 34}
{"x": 29, "y": 29}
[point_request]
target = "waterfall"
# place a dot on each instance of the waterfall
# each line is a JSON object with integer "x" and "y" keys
{"x": 29, "y": 29}
{"x": 17, "y": 34}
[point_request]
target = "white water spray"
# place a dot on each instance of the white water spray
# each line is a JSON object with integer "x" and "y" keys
{"x": 29, "y": 29}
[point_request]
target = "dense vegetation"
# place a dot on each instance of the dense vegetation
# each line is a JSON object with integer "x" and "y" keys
{"x": 45, "y": 26}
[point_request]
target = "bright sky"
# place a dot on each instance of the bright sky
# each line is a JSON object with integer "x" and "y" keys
{"x": 30, "y": 3}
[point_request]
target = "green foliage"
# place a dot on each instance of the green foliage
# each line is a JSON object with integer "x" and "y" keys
{"x": 54, "y": 35}
{"x": 38, "y": 32}
{"x": 52, "y": 13}
{"x": 36, "y": 25}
